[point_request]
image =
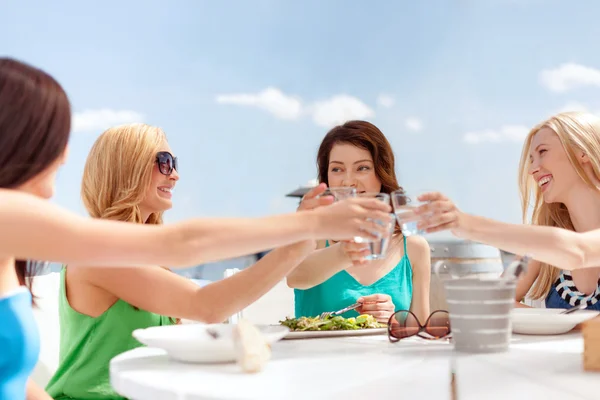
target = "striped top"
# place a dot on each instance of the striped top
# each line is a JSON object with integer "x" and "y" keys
{"x": 564, "y": 294}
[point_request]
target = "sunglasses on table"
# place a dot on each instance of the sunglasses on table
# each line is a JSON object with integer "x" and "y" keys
{"x": 166, "y": 162}
{"x": 404, "y": 324}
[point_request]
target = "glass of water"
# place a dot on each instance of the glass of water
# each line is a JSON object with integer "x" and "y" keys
{"x": 378, "y": 247}
{"x": 404, "y": 208}
{"x": 340, "y": 193}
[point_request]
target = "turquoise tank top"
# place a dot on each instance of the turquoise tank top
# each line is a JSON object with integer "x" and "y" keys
{"x": 342, "y": 290}
{"x": 19, "y": 343}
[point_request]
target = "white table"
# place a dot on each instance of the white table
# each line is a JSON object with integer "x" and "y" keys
{"x": 536, "y": 367}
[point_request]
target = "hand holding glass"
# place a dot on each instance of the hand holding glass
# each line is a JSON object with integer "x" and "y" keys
{"x": 378, "y": 248}
{"x": 404, "y": 209}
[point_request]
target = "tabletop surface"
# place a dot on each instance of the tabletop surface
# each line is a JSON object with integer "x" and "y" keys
{"x": 538, "y": 367}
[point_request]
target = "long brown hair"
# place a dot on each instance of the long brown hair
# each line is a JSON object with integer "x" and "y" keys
{"x": 35, "y": 121}
{"x": 367, "y": 136}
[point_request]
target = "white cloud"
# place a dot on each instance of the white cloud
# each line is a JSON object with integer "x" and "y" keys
{"x": 576, "y": 106}
{"x": 413, "y": 124}
{"x": 516, "y": 133}
{"x": 335, "y": 110}
{"x": 271, "y": 100}
{"x": 507, "y": 133}
{"x": 102, "y": 119}
{"x": 339, "y": 109}
{"x": 569, "y": 76}
{"x": 385, "y": 100}
{"x": 573, "y": 106}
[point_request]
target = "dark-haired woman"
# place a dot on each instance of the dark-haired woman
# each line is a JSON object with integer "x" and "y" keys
{"x": 35, "y": 120}
{"x": 358, "y": 155}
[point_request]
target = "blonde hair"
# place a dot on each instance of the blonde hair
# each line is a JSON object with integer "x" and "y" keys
{"x": 576, "y": 131}
{"x": 118, "y": 171}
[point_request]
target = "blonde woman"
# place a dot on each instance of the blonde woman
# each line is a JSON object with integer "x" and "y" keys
{"x": 560, "y": 167}
{"x": 35, "y": 121}
{"x": 100, "y": 306}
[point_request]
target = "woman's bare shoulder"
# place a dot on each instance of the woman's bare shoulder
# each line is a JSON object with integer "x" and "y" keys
{"x": 418, "y": 245}
{"x": 419, "y": 253}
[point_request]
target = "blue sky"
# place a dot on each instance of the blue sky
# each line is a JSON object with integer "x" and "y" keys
{"x": 246, "y": 90}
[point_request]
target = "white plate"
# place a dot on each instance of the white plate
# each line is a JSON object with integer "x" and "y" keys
{"x": 191, "y": 343}
{"x": 547, "y": 321}
{"x": 326, "y": 334}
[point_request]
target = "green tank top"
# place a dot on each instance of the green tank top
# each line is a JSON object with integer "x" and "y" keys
{"x": 87, "y": 344}
{"x": 342, "y": 290}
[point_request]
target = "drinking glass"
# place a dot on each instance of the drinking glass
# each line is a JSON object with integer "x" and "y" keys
{"x": 378, "y": 247}
{"x": 404, "y": 209}
{"x": 340, "y": 192}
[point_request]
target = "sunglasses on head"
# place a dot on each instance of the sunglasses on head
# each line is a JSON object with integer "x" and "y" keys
{"x": 166, "y": 162}
{"x": 403, "y": 324}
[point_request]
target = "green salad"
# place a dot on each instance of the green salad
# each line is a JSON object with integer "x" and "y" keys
{"x": 332, "y": 323}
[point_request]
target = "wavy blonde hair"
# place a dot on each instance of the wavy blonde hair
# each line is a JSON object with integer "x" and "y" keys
{"x": 577, "y": 131}
{"x": 118, "y": 171}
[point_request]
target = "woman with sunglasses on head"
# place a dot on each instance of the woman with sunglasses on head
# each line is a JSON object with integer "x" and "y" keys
{"x": 560, "y": 166}
{"x": 357, "y": 155}
{"x": 35, "y": 118}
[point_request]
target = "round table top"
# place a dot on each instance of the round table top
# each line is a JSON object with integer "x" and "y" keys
{"x": 538, "y": 367}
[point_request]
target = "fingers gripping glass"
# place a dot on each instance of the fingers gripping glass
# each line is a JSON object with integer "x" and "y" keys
{"x": 339, "y": 193}
{"x": 166, "y": 162}
{"x": 403, "y": 324}
{"x": 404, "y": 208}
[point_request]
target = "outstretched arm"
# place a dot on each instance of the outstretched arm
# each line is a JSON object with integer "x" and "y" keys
{"x": 36, "y": 229}
{"x": 319, "y": 266}
{"x": 159, "y": 291}
{"x": 555, "y": 246}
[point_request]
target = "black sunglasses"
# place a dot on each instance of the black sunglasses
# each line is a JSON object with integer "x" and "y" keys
{"x": 166, "y": 162}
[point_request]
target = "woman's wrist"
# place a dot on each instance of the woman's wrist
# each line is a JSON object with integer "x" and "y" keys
{"x": 309, "y": 224}
{"x": 345, "y": 259}
{"x": 300, "y": 250}
{"x": 465, "y": 224}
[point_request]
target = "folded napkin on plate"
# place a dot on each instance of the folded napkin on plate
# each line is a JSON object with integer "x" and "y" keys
{"x": 252, "y": 350}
